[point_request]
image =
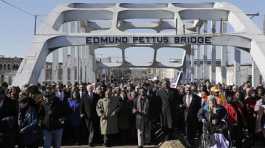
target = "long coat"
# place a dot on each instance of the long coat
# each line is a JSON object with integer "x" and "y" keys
{"x": 27, "y": 121}
{"x": 169, "y": 101}
{"x": 52, "y": 114}
{"x": 125, "y": 114}
{"x": 192, "y": 124}
{"x": 8, "y": 113}
{"x": 107, "y": 110}
{"x": 142, "y": 112}
{"x": 154, "y": 106}
{"x": 74, "y": 117}
{"x": 190, "y": 112}
{"x": 260, "y": 121}
{"x": 88, "y": 106}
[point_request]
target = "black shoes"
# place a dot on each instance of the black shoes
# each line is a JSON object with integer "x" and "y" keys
{"x": 91, "y": 145}
{"x": 106, "y": 145}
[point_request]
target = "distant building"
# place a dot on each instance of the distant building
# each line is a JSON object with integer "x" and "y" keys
{"x": 139, "y": 74}
{"x": 172, "y": 74}
{"x": 162, "y": 73}
{"x": 10, "y": 65}
{"x": 47, "y": 73}
{"x": 8, "y": 68}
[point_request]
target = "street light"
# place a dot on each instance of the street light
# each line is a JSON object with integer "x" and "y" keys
{"x": 252, "y": 15}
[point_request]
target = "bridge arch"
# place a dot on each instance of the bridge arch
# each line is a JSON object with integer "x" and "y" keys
{"x": 246, "y": 37}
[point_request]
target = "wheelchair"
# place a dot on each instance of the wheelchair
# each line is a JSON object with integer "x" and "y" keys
{"x": 208, "y": 139}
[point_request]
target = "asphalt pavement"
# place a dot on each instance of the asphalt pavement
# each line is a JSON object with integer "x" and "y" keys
{"x": 125, "y": 146}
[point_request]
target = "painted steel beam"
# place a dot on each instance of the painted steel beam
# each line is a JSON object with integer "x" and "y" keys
{"x": 247, "y": 36}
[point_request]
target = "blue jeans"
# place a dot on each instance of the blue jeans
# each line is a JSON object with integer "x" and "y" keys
{"x": 53, "y": 137}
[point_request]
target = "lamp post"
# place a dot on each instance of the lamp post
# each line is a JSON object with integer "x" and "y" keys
{"x": 78, "y": 67}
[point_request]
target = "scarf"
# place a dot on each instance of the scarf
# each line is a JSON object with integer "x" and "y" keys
{"x": 73, "y": 104}
{"x": 141, "y": 105}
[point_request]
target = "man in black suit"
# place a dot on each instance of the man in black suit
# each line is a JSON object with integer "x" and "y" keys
{"x": 88, "y": 112}
{"x": 60, "y": 92}
{"x": 191, "y": 104}
{"x": 82, "y": 90}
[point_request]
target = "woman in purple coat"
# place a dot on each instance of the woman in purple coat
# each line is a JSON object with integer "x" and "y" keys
{"x": 74, "y": 119}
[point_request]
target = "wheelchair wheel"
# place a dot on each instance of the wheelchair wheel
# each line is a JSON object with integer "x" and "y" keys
{"x": 204, "y": 142}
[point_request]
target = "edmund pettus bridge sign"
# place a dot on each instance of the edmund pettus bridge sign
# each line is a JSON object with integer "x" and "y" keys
{"x": 181, "y": 39}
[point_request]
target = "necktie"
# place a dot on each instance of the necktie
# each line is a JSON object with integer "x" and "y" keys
{"x": 189, "y": 100}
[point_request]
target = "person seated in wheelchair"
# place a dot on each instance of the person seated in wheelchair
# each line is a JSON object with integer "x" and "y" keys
{"x": 214, "y": 119}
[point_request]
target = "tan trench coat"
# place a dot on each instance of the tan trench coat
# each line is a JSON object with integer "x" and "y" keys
{"x": 260, "y": 112}
{"x": 108, "y": 107}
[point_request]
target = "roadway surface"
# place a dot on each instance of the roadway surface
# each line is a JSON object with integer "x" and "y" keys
{"x": 125, "y": 146}
{"x": 130, "y": 146}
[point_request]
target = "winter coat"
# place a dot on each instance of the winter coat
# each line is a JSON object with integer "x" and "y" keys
{"x": 8, "y": 117}
{"x": 260, "y": 121}
{"x": 231, "y": 114}
{"x": 190, "y": 112}
{"x": 74, "y": 117}
{"x": 141, "y": 106}
{"x": 107, "y": 110}
{"x": 28, "y": 125}
{"x": 168, "y": 107}
{"x": 125, "y": 114}
{"x": 88, "y": 106}
{"x": 52, "y": 114}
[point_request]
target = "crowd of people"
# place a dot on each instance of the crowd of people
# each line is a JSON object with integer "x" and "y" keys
{"x": 112, "y": 113}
